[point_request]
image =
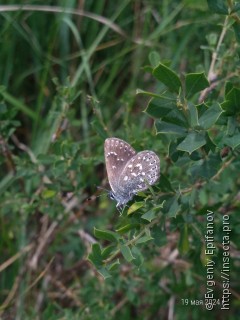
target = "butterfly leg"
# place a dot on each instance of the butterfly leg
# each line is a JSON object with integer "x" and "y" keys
{"x": 120, "y": 208}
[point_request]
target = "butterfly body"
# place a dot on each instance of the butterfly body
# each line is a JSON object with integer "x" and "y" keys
{"x": 128, "y": 171}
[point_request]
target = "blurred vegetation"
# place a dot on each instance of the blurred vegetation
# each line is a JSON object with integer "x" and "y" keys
{"x": 162, "y": 75}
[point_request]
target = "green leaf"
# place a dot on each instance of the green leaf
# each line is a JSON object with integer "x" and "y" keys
{"x": 104, "y": 273}
{"x": 135, "y": 206}
{"x": 95, "y": 256}
{"x": 206, "y": 168}
{"x": 113, "y": 266}
{"x": 183, "y": 242}
{"x": 106, "y": 252}
{"x": 168, "y": 128}
{"x": 228, "y": 87}
{"x": 147, "y": 93}
{"x": 47, "y": 193}
{"x": 236, "y": 7}
{"x": 232, "y": 125}
{"x": 192, "y": 142}
{"x": 173, "y": 153}
{"x": 154, "y": 58}
{"x": 236, "y": 28}
{"x": 98, "y": 128}
{"x": 126, "y": 252}
{"x": 233, "y": 141}
{"x": 149, "y": 216}
{"x": 168, "y": 77}
{"x": 164, "y": 184}
{"x": 174, "y": 207}
{"x": 138, "y": 257}
{"x": 210, "y": 145}
{"x": 210, "y": 116}
{"x": 231, "y": 103}
{"x": 127, "y": 227}
{"x": 160, "y": 107}
{"x": 106, "y": 235}
{"x": 195, "y": 82}
{"x": 144, "y": 239}
{"x": 165, "y": 108}
{"x": 159, "y": 236}
{"x": 218, "y": 6}
{"x": 5, "y": 182}
{"x": 193, "y": 115}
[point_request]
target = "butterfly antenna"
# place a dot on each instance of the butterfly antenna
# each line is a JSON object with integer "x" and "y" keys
{"x": 101, "y": 188}
{"x": 94, "y": 197}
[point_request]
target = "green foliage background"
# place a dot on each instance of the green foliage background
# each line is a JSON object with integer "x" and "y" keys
{"x": 162, "y": 75}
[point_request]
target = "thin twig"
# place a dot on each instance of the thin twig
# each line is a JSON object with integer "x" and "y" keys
{"x": 11, "y": 260}
{"x": 211, "y": 73}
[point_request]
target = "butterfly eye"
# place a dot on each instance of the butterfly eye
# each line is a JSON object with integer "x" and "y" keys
{"x": 111, "y": 196}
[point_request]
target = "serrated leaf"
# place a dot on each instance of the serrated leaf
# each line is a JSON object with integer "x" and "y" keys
{"x": 210, "y": 116}
{"x": 218, "y": 6}
{"x": 106, "y": 235}
{"x": 168, "y": 77}
{"x": 168, "y": 128}
{"x": 144, "y": 239}
{"x": 135, "y": 206}
{"x": 192, "y": 142}
{"x": 195, "y": 82}
{"x": 149, "y": 216}
{"x": 126, "y": 252}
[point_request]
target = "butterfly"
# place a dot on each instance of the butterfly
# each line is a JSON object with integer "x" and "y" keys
{"x": 128, "y": 171}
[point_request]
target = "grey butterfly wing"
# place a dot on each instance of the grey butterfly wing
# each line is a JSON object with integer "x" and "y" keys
{"x": 144, "y": 166}
{"x": 117, "y": 153}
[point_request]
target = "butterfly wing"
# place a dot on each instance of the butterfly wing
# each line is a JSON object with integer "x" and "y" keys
{"x": 117, "y": 153}
{"x": 141, "y": 168}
